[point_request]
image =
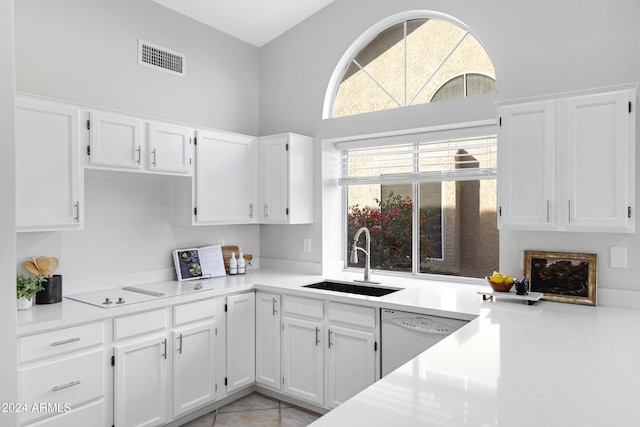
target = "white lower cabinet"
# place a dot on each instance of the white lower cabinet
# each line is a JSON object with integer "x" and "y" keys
{"x": 268, "y": 341}
{"x": 140, "y": 383}
{"x": 352, "y": 351}
{"x": 61, "y": 377}
{"x": 303, "y": 359}
{"x": 160, "y": 373}
{"x": 329, "y": 350}
{"x": 193, "y": 367}
{"x": 241, "y": 360}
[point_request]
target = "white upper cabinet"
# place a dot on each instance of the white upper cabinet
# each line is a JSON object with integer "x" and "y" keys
{"x": 526, "y": 159}
{"x": 127, "y": 142}
{"x": 568, "y": 163}
{"x": 286, "y": 179}
{"x": 225, "y": 183}
{"x": 169, "y": 148}
{"x": 49, "y": 175}
{"x": 115, "y": 141}
{"x": 600, "y": 161}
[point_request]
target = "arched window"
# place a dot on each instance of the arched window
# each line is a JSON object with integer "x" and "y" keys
{"x": 408, "y": 61}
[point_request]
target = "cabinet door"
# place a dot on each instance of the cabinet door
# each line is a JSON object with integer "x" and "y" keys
{"x": 225, "y": 178}
{"x": 49, "y": 177}
{"x": 169, "y": 148}
{"x": 241, "y": 339}
{"x": 268, "y": 340}
{"x": 193, "y": 367}
{"x": 275, "y": 178}
{"x": 351, "y": 364}
{"x": 526, "y": 166}
{"x": 140, "y": 386}
{"x": 600, "y": 162}
{"x": 303, "y": 359}
{"x": 116, "y": 141}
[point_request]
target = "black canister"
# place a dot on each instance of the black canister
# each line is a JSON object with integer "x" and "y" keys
{"x": 52, "y": 292}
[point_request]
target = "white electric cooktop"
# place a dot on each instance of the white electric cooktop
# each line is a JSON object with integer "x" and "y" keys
{"x": 118, "y": 297}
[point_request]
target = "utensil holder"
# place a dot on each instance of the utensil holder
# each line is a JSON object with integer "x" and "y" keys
{"x": 52, "y": 292}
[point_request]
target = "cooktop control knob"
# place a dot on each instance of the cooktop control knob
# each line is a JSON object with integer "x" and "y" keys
{"x": 120, "y": 301}
{"x": 107, "y": 301}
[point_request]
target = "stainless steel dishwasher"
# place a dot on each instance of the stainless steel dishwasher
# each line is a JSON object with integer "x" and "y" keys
{"x": 406, "y": 335}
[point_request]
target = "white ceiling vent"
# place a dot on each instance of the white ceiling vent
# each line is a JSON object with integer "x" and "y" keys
{"x": 160, "y": 58}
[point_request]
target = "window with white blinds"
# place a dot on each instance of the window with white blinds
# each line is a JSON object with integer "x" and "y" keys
{"x": 428, "y": 197}
{"x": 424, "y": 160}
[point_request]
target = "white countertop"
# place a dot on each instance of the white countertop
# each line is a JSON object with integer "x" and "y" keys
{"x": 549, "y": 364}
{"x": 454, "y": 300}
{"x": 515, "y": 365}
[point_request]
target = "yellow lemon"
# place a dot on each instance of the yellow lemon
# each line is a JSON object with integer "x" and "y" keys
{"x": 496, "y": 277}
{"x": 508, "y": 279}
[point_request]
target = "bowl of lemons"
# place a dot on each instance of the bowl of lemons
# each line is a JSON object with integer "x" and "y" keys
{"x": 500, "y": 283}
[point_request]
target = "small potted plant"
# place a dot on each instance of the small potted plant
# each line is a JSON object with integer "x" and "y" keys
{"x": 26, "y": 288}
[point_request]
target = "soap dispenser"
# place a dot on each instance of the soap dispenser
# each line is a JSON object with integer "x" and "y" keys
{"x": 233, "y": 264}
{"x": 242, "y": 264}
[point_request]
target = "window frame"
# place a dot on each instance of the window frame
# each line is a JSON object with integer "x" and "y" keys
{"x": 452, "y": 131}
{"x": 368, "y": 36}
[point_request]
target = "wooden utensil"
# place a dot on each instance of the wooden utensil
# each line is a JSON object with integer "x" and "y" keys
{"x": 32, "y": 268}
{"x": 43, "y": 265}
{"x": 53, "y": 265}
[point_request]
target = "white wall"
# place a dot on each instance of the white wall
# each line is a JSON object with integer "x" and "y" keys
{"x": 85, "y": 51}
{"x": 537, "y": 48}
{"x": 127, "y": 231}
{"x": 8, "y": 371}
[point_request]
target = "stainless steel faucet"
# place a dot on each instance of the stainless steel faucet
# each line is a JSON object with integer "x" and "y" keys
{"x": 354, "y": 253}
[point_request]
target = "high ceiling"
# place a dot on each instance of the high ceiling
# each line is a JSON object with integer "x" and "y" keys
{"x": 255, "y": 21}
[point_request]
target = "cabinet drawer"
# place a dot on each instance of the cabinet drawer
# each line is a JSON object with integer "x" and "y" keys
{"x": 352, "y": 315}
{"x": 194, "y": 311}
{"x": 61, "y": 341}
{"x": 124, "y": 327}
{"x": 303, "y": 307}
{"x": 89, "y": 415}
{"x": 72, "y": 380}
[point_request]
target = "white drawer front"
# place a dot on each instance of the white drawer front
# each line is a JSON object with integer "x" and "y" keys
{"x": 352, "y": 315}
{"x": 194, "y": 311}
{"x": 303, "y": 307}
{"x": 124, "y": 327}
{"x": 72, "y": 380}
{"x": 52, "y": 343}
{"x": 89, "y": 415}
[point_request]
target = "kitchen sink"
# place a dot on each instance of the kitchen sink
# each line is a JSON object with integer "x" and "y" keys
{"x": 350, "y": 288}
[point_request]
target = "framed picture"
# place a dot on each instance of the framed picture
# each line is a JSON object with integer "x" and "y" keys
{"x": 562, "y": 277}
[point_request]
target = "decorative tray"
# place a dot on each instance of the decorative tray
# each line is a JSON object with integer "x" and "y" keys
{"x": 531, "y": 298}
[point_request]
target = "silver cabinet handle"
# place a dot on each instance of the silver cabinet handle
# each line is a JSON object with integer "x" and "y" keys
{"x": 139, "y": 150}
{"x": 180, "y": 348}
{"x": 77, "y": 208}
{"x": 266, "y": 210}
{"x": 569, "y": 211}
{"x": 251, "y": 210}
{"x": 329, "y": 338}
{"x": 164, "y": 355}
{"x": 65, "y": 341}
{"x": 548, "y": 207}
{"x": 62, "y": 387}
{"x": 153, "y": 153}
{"x": 317, "y": 334}
{"x": 275, "y": 310}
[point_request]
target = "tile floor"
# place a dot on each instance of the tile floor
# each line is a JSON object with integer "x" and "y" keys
{"x": 256, "y": 410}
